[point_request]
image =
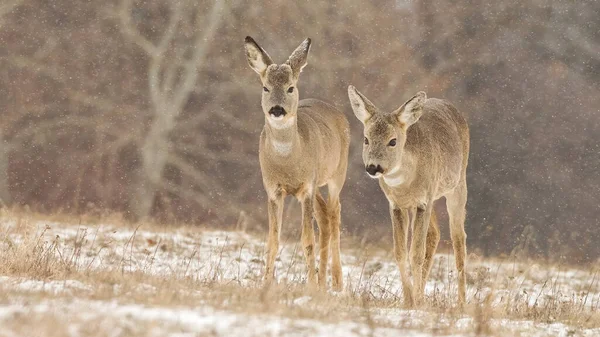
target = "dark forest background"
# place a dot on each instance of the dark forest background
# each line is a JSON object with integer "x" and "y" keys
{"x": 149, "y": 108}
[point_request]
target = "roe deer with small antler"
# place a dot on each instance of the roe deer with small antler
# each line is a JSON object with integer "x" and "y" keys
{"x": 303, "y": 146}
{"x": 419, "y": 153}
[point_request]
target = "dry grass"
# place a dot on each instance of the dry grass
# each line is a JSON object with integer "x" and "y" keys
{"x": 93, "y": 269}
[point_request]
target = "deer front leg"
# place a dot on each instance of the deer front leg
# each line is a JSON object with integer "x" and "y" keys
{"x": 433, "y": 238}
{"x": 324, "y": 237}
{"x": 308, "y": 237}
{"x": 400, "y": 231}
{"x": 275, "y": 210}
{"x": 418, "y": 249}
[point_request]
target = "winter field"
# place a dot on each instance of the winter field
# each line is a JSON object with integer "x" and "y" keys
{"x": 85, "y": 277}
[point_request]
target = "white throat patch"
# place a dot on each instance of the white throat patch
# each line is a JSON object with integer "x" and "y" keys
{"x": 282, "y": 148}
{"x": 394, "y": 170}
{"x": 393, "y": 179}
{"x": 279, "y": 123}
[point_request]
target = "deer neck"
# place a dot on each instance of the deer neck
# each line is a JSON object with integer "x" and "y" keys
{"x": 282, "y": 137}
{"x": 402, "y": 173}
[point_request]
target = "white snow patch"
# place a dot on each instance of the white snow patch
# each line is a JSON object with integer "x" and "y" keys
{"x": 302, "y": 300}
{"x": 52, "y": 286}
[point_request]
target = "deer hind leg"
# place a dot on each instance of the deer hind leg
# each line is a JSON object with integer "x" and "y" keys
{"x": 400, "y": 225}
{"x": 418, "y": 249}
{"x": 308, "y": 236}
{"x": 433, "y": 238}
{"x": 335, "y": 221}
{"x": 456, "y": 202}
{"x": 275, "y": 210}
{"x": 322, "y": 217}
{"x": 334, "y": 209}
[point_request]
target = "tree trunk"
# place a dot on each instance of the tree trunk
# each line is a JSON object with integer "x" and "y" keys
{"x": 154, "y": 154}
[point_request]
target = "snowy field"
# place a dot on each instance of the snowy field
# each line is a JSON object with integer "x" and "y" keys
{"x": 103, "y": 279}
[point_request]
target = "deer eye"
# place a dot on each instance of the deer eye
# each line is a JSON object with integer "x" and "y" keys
{"x": 291, "y": 90}
{"x": 366, "y": 141}
{"x": 265, "y": 89}
{"x": 392, "y": 142}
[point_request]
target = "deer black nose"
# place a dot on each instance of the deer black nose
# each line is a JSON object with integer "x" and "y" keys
{"x": 373, "y": 170}
{"x": 277, "y": 111}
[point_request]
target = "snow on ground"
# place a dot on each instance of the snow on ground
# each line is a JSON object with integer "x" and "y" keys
{"x": 55, "y": 287}
{"x": 226, "y": 257}
{"x": 130, "y": 319}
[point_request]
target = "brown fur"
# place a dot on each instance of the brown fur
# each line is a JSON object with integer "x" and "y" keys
{"x": 429, "y": 161}
{"x": 300, "y": 152}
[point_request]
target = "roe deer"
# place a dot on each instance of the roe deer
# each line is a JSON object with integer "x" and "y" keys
{"x": 303, "y": 146}
{"x": 419, "y": 153}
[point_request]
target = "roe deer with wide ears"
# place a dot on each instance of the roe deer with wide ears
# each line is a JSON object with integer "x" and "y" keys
{"x": 419, "y": 153}
{"x": 303, "y": 146}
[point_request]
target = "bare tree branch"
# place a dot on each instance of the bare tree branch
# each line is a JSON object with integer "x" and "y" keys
{"x": 199, "y": 54}
{"x": 168, "y": 100}
{"x": 156, "y": 59}
{"x": 173, "y": 70}
{"x": 128, "y": 29}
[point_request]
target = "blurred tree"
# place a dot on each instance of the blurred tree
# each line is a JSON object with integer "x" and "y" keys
{"x": 173, "y": 64}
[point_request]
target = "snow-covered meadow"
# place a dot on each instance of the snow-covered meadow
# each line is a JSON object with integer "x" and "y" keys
{"x": 111, "y": 279}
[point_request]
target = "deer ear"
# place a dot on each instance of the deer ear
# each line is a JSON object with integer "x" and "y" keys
{"x": 299, "y": 57}
{"x": 258, "y": 59}
{"x": 362, "y": 107}
{"x": 410, "y": 112}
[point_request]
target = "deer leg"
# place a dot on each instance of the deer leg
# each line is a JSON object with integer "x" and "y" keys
{"x": 308, "y": 237}
{"x": 335, "y": 223}
{"x": 456, "y": 203}
{"x": 418, "y": 248}
{"x": 433, "y": 238}
{"x": 275, "y": 210}
{"x": 400, "y": 231}
{"x": 324, "y": 238}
